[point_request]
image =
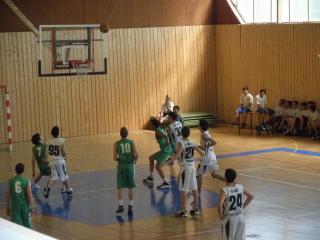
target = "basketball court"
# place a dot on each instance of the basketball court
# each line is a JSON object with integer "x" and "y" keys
{"x": 92, "y": 68}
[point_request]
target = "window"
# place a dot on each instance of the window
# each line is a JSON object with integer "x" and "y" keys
{"x": 246, "y": 9}
{"x": 314, "y": 10}
{"x": 299, "y": 10}
{"x": 263, "y": 11}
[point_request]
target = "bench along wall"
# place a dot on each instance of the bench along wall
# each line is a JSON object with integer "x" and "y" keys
{"x": 281, "y": 58}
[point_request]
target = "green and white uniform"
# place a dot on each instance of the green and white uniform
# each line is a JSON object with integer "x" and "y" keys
{"x": 126, "y": 168}
{"x": 20, "y": 207}
{"x": 165, "y": 147}
{"x": 39, "y": 152}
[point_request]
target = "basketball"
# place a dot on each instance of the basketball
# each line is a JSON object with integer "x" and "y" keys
{"x": 104, "y": 27}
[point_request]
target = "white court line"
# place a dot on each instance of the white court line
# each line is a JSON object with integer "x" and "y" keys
{"x": 293, "y": 170}
{"x": 281, "y": 182}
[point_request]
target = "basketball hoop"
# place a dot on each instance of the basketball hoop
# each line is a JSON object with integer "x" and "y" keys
{"x": 82, "y": 68}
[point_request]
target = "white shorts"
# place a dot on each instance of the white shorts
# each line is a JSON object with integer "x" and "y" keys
{"x": 58, "y": 170}
{"x": 187, "y": 179}
{"x": 233, "y": 228}
{"x": 203, "y": 168}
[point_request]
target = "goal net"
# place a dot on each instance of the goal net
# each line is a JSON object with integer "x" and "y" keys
{"x": 5, "y": 119}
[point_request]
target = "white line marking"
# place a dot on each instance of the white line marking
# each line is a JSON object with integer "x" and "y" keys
{"x": 297, "y": 171}
{"x": 281, "y": 182}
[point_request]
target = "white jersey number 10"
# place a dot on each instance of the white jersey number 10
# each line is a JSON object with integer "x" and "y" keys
{"x": 125, "y": 148}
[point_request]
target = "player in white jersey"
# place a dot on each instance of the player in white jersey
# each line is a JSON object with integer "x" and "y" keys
{"x": 187, "y": 176}
{"x": 56, "y": 156}
{"x": 208, "y": 162}
{"x": 174, "y": 133}
{"x": 174, "y": 129}
{"x": 230, "y": 207}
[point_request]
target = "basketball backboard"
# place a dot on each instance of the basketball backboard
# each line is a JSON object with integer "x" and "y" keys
{"x": 70, "y": 49}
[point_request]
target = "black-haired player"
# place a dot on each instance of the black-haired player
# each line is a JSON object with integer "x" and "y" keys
{"x": 39, "y": 156}
{"x": 208, "y": 162}
{"x": 233, "y": 199}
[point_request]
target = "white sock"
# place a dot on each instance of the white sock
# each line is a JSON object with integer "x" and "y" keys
{"x": 121, "y": 202}
{"x": 131, "y": 203}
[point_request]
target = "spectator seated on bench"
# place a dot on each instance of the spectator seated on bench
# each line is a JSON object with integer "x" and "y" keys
{"x": 246, "y": 104}
{"x": 263, "y": 110}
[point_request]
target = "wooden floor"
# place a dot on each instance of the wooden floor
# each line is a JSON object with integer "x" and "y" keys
{"x": 284, "y": 180}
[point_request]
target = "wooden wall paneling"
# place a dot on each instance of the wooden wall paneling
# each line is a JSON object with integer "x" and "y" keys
{"x": 114, "y": 116}
{"x": 178, "y": 63}
{"x": 210, "y": 67}
{"x": 186, "y": 70}
{"x": 70, "y": 109}
{"x": 34, "y": 94}
{"x": 100, "y": 110}
{"x": 137, "y": 78}
{"x": 125, "y": 80}
{"x": 117, "y": 76}
{"x": 15, "y": 75}
{"x": 196, "y": 44}
{"x": 23, "y": 72}
{"x": 133, "y": 64}
{"x": 143, "y": 66}
{"x": 148, "y": 86}
{"x": 277, "y": 57}
{"x": 161, "y": 62}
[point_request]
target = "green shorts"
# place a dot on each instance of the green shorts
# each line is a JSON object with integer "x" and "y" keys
{"x": 126, "y": 176}
{"x": 21, "y": 215}
{"x": 163, "y": 155}
{"x": 45, "y": 171}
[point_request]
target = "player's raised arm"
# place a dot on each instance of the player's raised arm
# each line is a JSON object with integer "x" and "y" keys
{"x": 115, "y": 152}
{"x": 30, "y": 198}
{"x": 8, "y": 195}
{"x": 135, "y": 153}
{"x": 209, "y": 139}
{"x": 222, "y": 198}
{"x": 249, "y": 196}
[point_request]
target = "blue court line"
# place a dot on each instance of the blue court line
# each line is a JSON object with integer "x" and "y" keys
{"x": 270, "y": 150}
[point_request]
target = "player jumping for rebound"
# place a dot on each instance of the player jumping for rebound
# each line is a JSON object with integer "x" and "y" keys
{"x": 209, "y": 160}
{"x": 39, "y": 155}
{"x": 230, "y": 208}
{"x": 161, "y": 156}
{"x": 57, "y": 161}
{"x": 187, "y": 176}
{"x": 125, "y": 153}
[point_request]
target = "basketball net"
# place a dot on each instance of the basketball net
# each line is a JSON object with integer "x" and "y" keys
{"x": 81, "y": 69}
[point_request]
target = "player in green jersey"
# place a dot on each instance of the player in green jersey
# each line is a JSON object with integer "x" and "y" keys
{"x": 39, "y": 156}
{"x": 19, "y": 198}
{"x": 125, "y": 153}
{"x": 161, "y": 156}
